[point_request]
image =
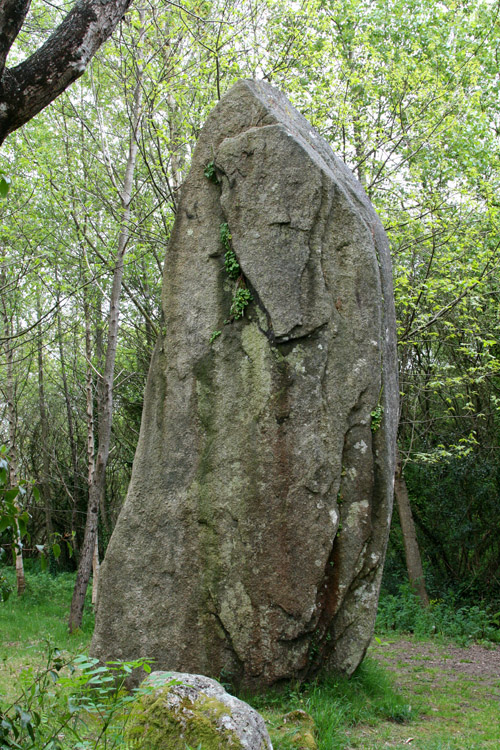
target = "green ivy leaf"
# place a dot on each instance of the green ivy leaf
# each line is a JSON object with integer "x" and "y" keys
{"x": 4, "y": 185}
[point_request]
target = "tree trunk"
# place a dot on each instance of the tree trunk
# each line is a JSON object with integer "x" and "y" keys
{"x": 96, "y": 565}
{"x": 71, "y": 432}
{"x": 28, "y": 87}
{"x": 12, "y": 421}
{"x": 97, "y": 483}
{"x": 90, "y": 437}
{"x": 412, "y": 551}
{"x": 44, "y": 431}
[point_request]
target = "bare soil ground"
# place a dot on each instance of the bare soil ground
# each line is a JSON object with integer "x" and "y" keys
{"x": 457, "y": 692}
{"x": 405, "y": 655}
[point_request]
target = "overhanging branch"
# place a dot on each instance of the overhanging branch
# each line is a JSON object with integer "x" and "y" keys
{"x": 28, "y": 87}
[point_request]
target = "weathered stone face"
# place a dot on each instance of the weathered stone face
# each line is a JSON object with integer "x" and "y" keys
{"x": 252, "y": 539}
{"x": 178, "y": 710}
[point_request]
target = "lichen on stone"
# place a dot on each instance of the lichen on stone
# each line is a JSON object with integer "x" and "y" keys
{"x": 255, "y": 450}
{"x": 164, "y": 721}
{"x": 298, "y": 729}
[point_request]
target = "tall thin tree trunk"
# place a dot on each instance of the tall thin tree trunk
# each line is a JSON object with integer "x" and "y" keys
{"x": 176, "y": 147}
{"x": 97, "y": 483}
{"x": 13, "y": 480}
{"x": 44, "y": 430}
{"x": 90, "y": 436}
{"x": 96, "y": 567}
{"x": 11, "y": 418}
{"x": 412, "y": 550}
{"x": 71, "y": 430}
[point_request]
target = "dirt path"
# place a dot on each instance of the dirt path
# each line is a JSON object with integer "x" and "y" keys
{"x": 456, "y": 692}
{"x": 406, "y": 655}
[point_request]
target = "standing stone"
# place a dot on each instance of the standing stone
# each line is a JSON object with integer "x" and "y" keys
{"x": 252, "y": 539}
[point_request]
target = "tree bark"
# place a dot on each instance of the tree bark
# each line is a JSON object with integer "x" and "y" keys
{"x": 12, "y": 423}
{"x": 44, "y": 431}
{"x": 97, "y": 483}
{"x": 412, "y": 550}
{"x": 90, "y": 437}
{"x": 71, "y": 434}
{"x": 28, "y": 87}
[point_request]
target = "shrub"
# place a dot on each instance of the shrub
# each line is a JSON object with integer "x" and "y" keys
{"x": 444, "y": 617}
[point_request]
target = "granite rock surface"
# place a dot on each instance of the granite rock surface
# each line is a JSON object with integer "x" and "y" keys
{"x": 178, "y": 710}
{"x": 252, "y": 539}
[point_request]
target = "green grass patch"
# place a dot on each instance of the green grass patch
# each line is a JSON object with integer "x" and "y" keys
{"x": 336, "y": 703}
{"x": 28, "y": 623}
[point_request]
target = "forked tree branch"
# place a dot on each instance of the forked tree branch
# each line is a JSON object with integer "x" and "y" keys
{"x": 28, "y": 87}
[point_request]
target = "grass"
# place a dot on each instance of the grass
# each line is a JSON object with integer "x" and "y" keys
{"x": 398, "y": 698}
{"x": 457, "y": 711}
{"x": 30, "y": 622}
{"x": 336, "y": 704}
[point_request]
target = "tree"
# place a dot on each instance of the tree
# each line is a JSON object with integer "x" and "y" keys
{"x": 411, "y": 546}
{"x": 97, "y": 469}
{"x": 406, "y": 91}
{"x": 28, "y": 87}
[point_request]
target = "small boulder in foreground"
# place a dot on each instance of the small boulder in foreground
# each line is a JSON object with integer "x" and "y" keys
{"x": 192, "y": 710}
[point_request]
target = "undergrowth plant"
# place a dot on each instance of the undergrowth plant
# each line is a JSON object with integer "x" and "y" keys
{"x": 241, "y": 299}
{"x": 70, "y": 703}
{"x": 210, "y": 173}
{"x": 443, "y": 617}
{"x": 241, "y": 295}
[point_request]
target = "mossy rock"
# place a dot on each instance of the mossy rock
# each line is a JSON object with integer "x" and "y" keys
{"x": 179, "y": 710}
{"x": 299, "y": 728}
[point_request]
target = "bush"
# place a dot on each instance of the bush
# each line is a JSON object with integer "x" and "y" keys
{"x": 70, "y": 703}
{"x": 444, "y": 617}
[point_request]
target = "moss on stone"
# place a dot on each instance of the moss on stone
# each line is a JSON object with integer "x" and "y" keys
{"x": 255, "y": 370}
{"x": 157, "y": 724}
{"x": 298, "y": 728}
{"x": 204, "y": 374}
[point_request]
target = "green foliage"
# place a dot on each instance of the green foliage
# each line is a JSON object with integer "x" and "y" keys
{"x": 242, "y": 296}
{"x": 241, "y": 300}
{"x": 376, "y": 416}
{"x": 210, "y": 172}
{"x": 231, "y": 264}
{"x": 74, "y": 702}
{"x": 225, "y": 235}
{"x": 444, "y": 617}
{"x": 24, "y": 723}
{"x": 213, "y": 336}
{"x": 455, "y": 507}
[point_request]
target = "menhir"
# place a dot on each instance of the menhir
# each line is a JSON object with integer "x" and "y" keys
{"x": 252, "y": 539}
